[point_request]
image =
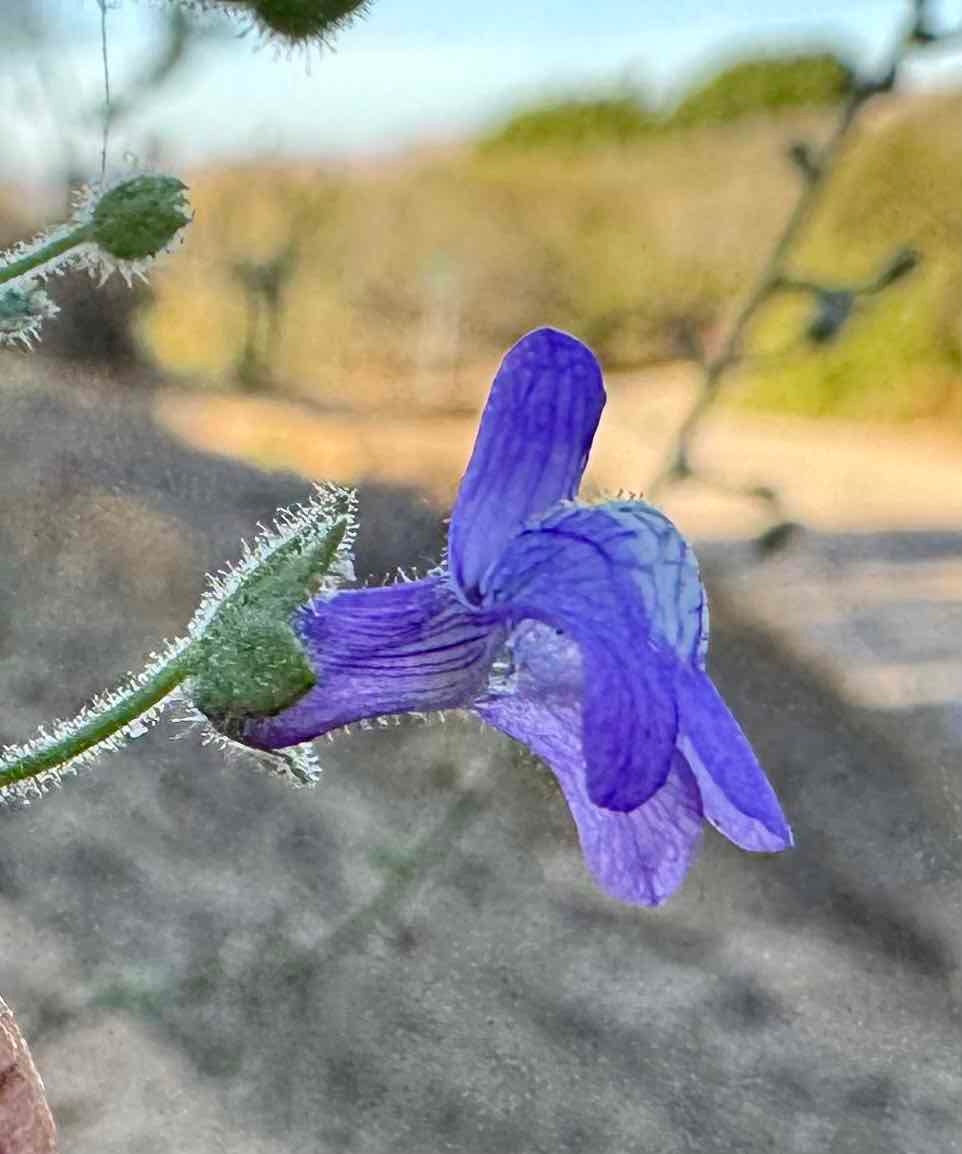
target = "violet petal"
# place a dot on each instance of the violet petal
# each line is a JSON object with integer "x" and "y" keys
{"x": 639, "y": 857}
{"x": 395, "y": 649}
{"x": 584, "y": 570}
{"x": 736, "y": 795}
{"x": 531, "y": 449}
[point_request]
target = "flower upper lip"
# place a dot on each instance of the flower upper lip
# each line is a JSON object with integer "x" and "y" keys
{"x": 605, "y": 613}
{"x": 531, "y": 449}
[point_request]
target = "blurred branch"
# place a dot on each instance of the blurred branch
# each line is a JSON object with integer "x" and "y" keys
{"x": 834, "y": 304}
{"x": 922, "y": 33}
{"x": 900, "y": 264}
{"x": 181, "y": 38}
{"x": 405, "y": 873}
{"x": 265, "y": 283}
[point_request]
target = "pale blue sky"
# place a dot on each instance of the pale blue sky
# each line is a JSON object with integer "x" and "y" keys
{"x": 417, "y": 70}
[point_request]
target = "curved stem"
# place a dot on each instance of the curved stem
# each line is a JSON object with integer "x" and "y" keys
{"x": 88, "y": 732}
{"x": 279, "y": 579}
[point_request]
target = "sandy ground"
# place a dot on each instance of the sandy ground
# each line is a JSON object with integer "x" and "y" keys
{"x": 205, "y": 960}
{"x": 832, "y": 475}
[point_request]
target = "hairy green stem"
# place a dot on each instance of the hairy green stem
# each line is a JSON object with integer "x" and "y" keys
{"x": 45, "y": 253}
{"x": 101, "y": 726}
{"x": 228, "y": 667}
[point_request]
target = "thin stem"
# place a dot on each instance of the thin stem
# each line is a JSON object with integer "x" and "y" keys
{"x": 101, "y": 726}
{"x": 430, "y": 851}
{"x": 107, "y": 111}
{"x": 45, "y": 253}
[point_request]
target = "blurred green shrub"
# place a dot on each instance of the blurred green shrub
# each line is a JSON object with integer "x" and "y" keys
{"x": 408, "y": 271}
{"x": 758, "y": 86}
{"x": 900, "y": 356}
{"x": 575, "y": 123}
{"x": 766, "y": 84}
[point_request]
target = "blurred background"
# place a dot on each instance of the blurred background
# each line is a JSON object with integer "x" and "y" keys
{"x": 410, "y": 958}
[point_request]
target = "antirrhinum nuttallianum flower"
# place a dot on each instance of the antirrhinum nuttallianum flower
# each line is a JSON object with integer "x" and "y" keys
{"x": 581, "y": 630}
{"x": 578, "y": 629}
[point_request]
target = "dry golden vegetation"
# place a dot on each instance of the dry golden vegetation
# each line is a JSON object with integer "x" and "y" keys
{"x": 384, "y": 289}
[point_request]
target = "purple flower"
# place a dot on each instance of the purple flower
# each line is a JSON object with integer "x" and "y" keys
{"x": 580, "y": 630}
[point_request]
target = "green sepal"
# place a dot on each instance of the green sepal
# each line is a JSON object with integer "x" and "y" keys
{"x": 261, "y": 671}
{"x": 249, "y": 662}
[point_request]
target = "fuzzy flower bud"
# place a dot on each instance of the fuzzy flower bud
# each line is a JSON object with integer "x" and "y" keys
{"x": 23, "y": 308}
{"x": 301, "y": 21}
{"x": 249, "y": 659}
{"x": 134, "y": 220}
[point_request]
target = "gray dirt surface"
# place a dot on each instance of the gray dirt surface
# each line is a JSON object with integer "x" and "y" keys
{"x": 204, "y": 959}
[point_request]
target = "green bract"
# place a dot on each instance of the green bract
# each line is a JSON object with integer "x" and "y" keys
{"x": 249, "y": 660}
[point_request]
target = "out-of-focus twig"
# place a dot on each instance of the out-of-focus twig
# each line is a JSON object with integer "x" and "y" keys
{"x": 265, "y": 283}
{"x": 815, "y": 166}
{"x": 922, "y": 31}
{"x": 406, "y": 874}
